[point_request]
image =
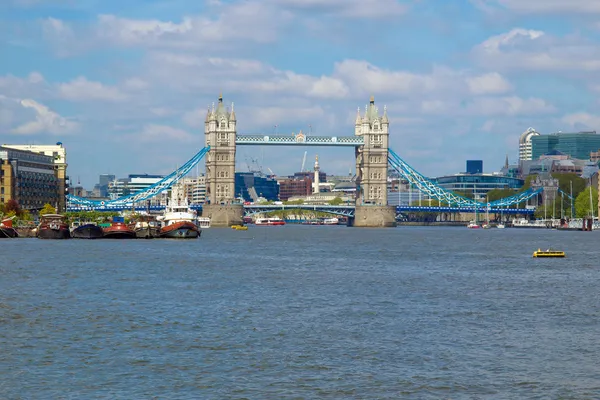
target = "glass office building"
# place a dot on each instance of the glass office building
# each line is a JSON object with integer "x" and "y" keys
{"x": 474, "y": 166}
{"x": 250, "y": 187}
{"x": 578, "y": 145}
{"x": 478, "y": 184}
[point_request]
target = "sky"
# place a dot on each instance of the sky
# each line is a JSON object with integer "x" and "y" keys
{"x": 125, "y": 85}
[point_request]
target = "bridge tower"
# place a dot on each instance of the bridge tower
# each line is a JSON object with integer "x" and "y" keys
{"x": 220, "y": 134}
{"x": 372, "y": 209}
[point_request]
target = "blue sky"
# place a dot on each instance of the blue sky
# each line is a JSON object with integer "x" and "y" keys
{"x": 125, "y": 84}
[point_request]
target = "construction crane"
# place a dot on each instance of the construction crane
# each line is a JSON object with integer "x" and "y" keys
{"x": 303, "y": 162}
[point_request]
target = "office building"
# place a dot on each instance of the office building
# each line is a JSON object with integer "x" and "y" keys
{"x": 29, "y": 178}
{"x": 59, "y": 159}
{"x": 525, "y": 144}
{"x": 250, "y": 187}
{"x": 577, "y": 145}
{"x": 474, "y": 167}
{"x": 478, "y": 184}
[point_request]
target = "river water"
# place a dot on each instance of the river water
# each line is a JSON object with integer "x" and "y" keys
{"x": 303, "y": 312}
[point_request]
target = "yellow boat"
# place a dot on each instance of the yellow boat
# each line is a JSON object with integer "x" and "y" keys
{"x": 239, "y": 227}
{"x": 548, "y": 253}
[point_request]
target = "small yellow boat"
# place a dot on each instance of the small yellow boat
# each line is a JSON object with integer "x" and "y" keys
{"x": 548, "y": 253}
{"x": 239, "y": 227}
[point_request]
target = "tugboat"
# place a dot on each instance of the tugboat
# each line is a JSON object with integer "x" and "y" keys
{"x": 146, "y": 227}
{"x": 7, "y": 230}
{"x": 118, "y": 230}
{"x": 53, "y": 226}
{"x": 88, "y": 230}
{"x": 178, "y": 220}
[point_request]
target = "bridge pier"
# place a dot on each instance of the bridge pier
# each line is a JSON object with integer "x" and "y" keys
{"x": 371, "y": 216}
{"x": 223, "y": 216}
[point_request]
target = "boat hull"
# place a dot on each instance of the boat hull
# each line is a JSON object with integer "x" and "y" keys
{"x": 180, "y": 230}
{"x": 88, "y": 231}
{"x": 118, "y": 231}
{"x": 45, "y": 232}
{"x": 8, "y": 232}
{"x": 147, "y": 233}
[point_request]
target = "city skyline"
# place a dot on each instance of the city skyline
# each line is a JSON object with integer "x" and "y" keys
{"x": 126, "y": 87}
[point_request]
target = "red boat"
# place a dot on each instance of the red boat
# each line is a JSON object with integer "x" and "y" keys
{"x": 118, "y": 230}
{"x": 270, "y": 221}
{"x": 53, "y": 226}
{"x": 7, "y": 230}
{"x": 180, "y": 230}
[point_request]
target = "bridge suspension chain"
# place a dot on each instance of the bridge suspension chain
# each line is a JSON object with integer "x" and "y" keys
{"x": 148, "y": 193}
{"x": 433, "y": 190}
{"x": 426, "y": 186}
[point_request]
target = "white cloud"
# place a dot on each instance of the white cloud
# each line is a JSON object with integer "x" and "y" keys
{"x": 362, "y": 9}
{"x": 487, "y": 106}
{"x": 33, "y": 85}
{"x": 544, "y": 6}
{"x": 46, "y": 121}
{"x": 509, "y": 106}
{"x": 582, "y": 119}
{"x": 490, "y": 83}
{"x": 163, "y": 133}
{"x": 524, "y": 49}
{"x": 226, "y": 26}
{"x": 81, "y": 89}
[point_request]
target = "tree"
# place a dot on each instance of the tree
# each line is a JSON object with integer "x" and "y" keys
{"x": 497, "y": 194}
{"x": 12, "y": 206}
{"x": 336, "y": 202}
{"x": 582, "y": 204}
{"x": 564, "y": 183}
{"x": 48, "y": 209}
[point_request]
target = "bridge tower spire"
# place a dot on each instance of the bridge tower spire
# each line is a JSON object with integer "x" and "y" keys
{"x": 371, "y": 169}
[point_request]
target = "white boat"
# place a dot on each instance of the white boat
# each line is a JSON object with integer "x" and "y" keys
{"x": 473, "y": 225}
{"x": 500, "y": 226}
{"x": 178, "y": 221}
{"x": 203, "y": 222}
{"x": 330, "y": 221}
{"x": 269, "y": 221}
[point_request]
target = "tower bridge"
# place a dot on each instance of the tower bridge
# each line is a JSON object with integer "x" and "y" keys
{"x": 372, "y": 155}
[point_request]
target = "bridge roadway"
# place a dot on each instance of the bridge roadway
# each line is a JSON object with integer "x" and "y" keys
{"x": 299, "y": 139}
{"x": 342, "y": 210}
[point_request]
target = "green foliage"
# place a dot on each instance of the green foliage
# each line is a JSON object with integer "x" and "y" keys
{"x": 464, "y": 193}
{"x": 47, "y": 209}
{"x": 336, "y": 202}
{"x": 564, "y": 183}
{"x": 497, "y": 194}
{"x": 582, "y": 204}
{"x": 91, "y": 216}
{"x": 295, "y": 202}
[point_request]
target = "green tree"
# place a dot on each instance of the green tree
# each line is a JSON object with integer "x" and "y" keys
{"x": 497, "y": 194}
{"x": 48, "y": 209}
{"x": 336, "y": 202}
{"x": 582, "y": 204}
{"x": 564, "y": 183}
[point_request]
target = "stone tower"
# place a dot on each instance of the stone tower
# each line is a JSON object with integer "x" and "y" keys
{"x": 371, "y": 169}
{"x": 372, "y": 157}
{"x": 220, "y": 132}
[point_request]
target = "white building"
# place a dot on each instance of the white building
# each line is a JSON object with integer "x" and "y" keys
{"x": 195, "y": 189}
{"x": 525, "y": 144}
